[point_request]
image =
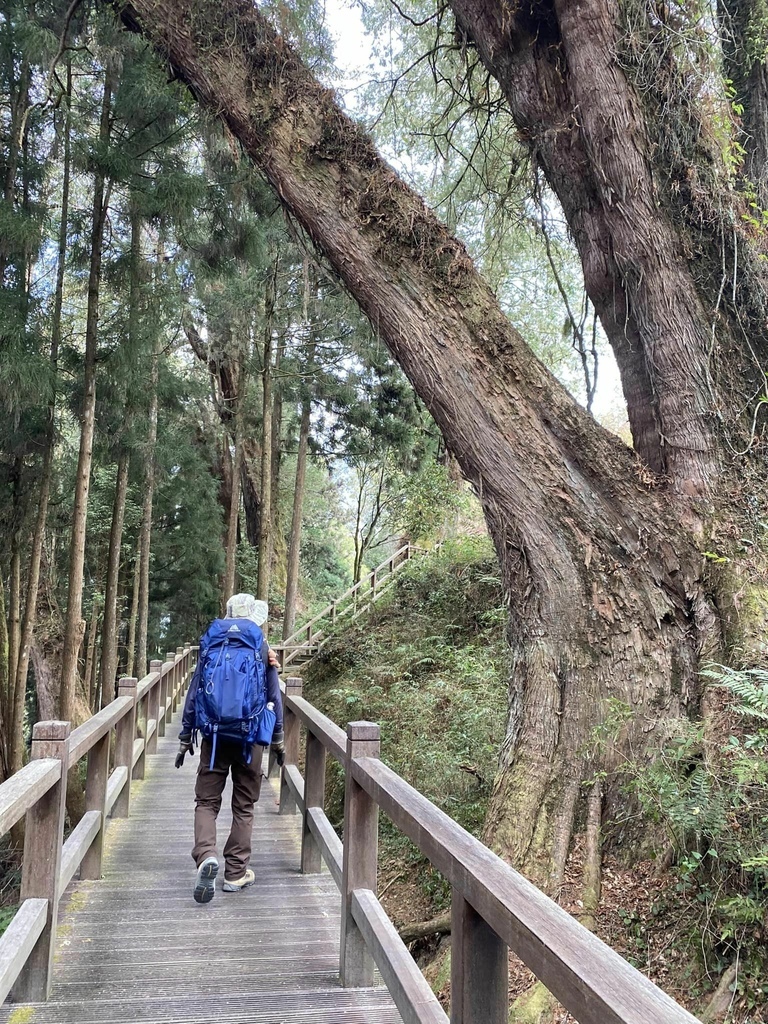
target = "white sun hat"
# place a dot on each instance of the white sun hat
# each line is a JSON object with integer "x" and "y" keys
{"x": 245, "y": 606}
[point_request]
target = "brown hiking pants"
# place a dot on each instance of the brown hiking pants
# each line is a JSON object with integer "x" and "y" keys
{"x": 246, "y": 785}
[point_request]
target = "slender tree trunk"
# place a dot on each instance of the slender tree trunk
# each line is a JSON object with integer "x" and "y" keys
{"x": 73, "y": 629}
{"x": 359, "y": 511}
{"x": 230, "y": 569}
{"x": 94, "y": 686}
{"x": 134, "y": 615}
{"x": 6, "y": 694}
{"x": 251, "y": 492}
{"x": 14, "y": 607}
{"x": 146, "y": 519}
{"x": 294, "y": 545}
{"x": 33, "y": 576}
{"x": 277, "y": 425}
{"x": 90, "y": 653}
{"x": 262, "y": 584}
{"x": 277, "y": 547}
{"x": 109, "y": 629}
{"x": 18, "y": 102}
{"x": 45, "y": 683}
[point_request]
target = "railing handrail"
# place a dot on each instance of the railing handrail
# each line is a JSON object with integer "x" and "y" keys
{"x": 591, "y": 980}
{"x": 325, "y": 612}
{"x": 142, "y": 706}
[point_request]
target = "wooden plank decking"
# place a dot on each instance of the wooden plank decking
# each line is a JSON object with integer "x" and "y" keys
{"x": 135, "y": 947}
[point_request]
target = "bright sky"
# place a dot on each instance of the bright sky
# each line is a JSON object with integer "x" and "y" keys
{"x": 352, "y": 46}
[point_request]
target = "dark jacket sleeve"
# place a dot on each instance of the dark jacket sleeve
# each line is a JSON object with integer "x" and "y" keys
{"x": 188, "y": 717}
{"x": 273, "y": 688}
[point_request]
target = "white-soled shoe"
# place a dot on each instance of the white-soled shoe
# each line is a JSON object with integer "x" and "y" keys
{"x": 241, "y": 883}
{"x": 205, "y": 886}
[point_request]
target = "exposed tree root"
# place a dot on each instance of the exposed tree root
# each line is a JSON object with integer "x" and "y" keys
{"x": 718, "y": 1006}
{"x": 440, "y": 925}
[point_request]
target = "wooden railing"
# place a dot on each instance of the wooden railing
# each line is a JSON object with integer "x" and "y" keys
{"x": 494, "y": 908}
{"x": 353, "y": 602}
{"x": 138, "y": 715}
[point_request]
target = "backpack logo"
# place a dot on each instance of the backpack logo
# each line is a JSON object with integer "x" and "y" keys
{"x": 232, "y": 691}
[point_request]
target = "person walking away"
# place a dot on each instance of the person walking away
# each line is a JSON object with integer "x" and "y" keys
{"x": 234, "y": 701}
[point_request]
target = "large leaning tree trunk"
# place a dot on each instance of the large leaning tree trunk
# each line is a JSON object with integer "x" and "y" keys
{"x": 604, "y": 583}
{"x": 600, "y": 97}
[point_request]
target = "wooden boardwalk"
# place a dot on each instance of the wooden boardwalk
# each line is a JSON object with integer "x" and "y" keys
{"x": 135, "y": 947}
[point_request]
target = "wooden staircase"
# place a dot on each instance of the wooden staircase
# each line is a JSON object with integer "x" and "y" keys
{"x": 307, "y": 640}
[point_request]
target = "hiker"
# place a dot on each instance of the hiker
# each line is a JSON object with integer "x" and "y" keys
{"x": 237, "y": 670}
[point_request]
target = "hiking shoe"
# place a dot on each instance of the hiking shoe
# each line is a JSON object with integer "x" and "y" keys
{"x": 241, "y": 883}
{"x": 205, "y": 887}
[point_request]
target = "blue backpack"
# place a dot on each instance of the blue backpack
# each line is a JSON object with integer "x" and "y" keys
{"x": 231, "y": 697}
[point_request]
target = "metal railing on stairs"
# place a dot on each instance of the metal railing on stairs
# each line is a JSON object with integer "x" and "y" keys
{"x": 310, "y": 637}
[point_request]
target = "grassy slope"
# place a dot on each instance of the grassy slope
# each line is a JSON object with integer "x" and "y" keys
{"x": 429, "y": 666}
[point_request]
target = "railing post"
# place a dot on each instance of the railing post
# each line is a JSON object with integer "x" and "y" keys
{"x": 96, "y": 781}
{"x": 314, "y": 796}
{"x": 479, "y": 968}
{"x": 172, "y": 677}
{"x": 153, "y": 706}
{"x": 361, "y": 839}
{"x": 126, "y": 733}
{"x": 165, "y": 693}
{"x": 141, "y": 731}
{"x": 333, "y": 613}
{"x": 43, "y": 839}
{"x": 292, "y": 730}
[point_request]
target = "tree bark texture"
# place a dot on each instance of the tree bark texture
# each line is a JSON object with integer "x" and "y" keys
{"x": 73, "y": 629}
{"x": 109, "y": 629}
{"x": 659, "y": 284}
{"x": 602, "y": 581}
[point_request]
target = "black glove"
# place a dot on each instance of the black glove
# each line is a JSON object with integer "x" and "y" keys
{"x": 185, "y": 747}
{"x": 278, "y": 747}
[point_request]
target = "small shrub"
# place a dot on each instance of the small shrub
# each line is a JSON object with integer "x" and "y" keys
{"x": 709, "y": 793}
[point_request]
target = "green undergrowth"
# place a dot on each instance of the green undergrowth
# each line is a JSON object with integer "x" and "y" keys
{"x": 429, "y": 665}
